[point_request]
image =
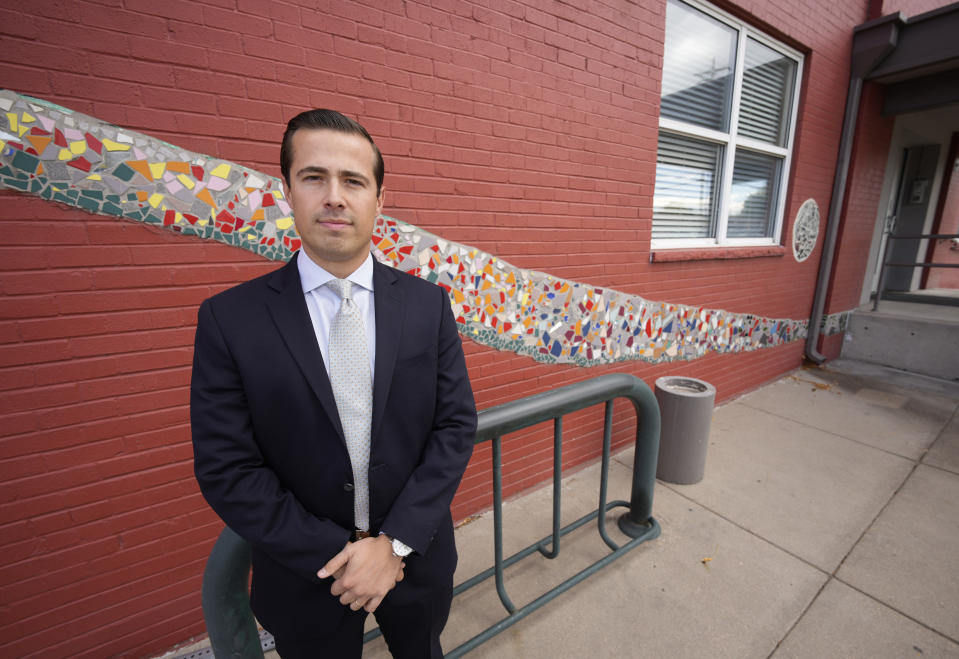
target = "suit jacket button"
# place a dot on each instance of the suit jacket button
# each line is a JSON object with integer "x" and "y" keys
{"x": 348, "y": 487}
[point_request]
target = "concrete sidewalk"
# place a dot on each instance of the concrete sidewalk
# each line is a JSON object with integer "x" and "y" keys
{"x": 827, "y": 525}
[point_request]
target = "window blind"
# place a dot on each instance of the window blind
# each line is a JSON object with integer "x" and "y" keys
{"x": 767, "y": 93}
{"x": 698, "y": 63}
{"x": 684, "y": 204}
{"x": 753, "y": 195}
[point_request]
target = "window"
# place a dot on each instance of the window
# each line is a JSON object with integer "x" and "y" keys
{"x": 727, "y": 117}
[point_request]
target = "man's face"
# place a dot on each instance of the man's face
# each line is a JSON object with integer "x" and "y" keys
{"x": 333, "y": 194}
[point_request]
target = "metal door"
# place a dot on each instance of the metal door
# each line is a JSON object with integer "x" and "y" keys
{"x": 912, "y": 208}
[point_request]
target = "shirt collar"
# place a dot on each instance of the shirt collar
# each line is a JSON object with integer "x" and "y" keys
{"x": 313, "y": 276}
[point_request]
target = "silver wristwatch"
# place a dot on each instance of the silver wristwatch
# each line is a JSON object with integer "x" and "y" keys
{"x": 400, "y": 549}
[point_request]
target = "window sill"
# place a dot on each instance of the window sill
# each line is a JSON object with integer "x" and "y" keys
{"x": 711, "y": 253}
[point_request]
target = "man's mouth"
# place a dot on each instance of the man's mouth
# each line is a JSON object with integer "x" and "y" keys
{"x": 334, "y": 221}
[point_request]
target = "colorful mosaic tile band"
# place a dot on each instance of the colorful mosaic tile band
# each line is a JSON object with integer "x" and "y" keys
{"x": 65, "y": 156}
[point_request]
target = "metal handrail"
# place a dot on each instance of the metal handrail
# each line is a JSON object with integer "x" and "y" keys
{"x": 226, "y": 599}
{"x": 919, "y": 264}
{"x": 225, "y": 605}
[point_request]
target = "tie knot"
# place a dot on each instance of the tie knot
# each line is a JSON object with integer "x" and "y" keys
{"x": 342, "y": 287}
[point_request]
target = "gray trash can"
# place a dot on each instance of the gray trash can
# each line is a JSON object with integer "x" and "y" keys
{"x": 686, "y": 408}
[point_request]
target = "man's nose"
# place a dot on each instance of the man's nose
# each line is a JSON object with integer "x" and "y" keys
{"x": 334, "y": 196}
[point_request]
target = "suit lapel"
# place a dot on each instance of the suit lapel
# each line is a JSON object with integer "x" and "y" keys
{"x": 292, "y": 318}
{"x": 388, "y": 305}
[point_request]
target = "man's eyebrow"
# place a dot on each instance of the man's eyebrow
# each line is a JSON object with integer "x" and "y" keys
{"x": 343, "y": 173}
{"x": 348, "y": 173}
{"x": 312, "y": 169}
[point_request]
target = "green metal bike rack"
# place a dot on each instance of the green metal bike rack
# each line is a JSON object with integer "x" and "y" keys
{"x": 226, "y": 607}
{"x": 226, "y": 599}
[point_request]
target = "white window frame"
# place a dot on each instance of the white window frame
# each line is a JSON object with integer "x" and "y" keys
{"x": 732, "y": 141}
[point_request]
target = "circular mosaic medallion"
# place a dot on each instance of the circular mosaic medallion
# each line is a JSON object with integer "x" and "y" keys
{"x": 805, "y": 230}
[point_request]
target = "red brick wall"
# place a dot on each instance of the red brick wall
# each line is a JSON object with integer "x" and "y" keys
{"x": 911, "y": 8}
{"x": 527, "y": 129}
{"x": 861, "y": 205}
{"x": 103, "y": 532}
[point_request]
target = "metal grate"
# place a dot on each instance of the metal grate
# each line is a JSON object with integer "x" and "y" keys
{"x": 206, "y": 652}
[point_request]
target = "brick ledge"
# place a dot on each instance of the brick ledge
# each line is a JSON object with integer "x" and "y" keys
{"x": 710, "y": 253}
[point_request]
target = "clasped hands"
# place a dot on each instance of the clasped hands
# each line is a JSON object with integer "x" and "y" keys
{"x": 364, "y": 572}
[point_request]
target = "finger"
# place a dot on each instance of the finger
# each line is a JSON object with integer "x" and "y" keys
{"x": 372, "y": 604}
{"x": 334, "y": 564}
{"x": 400, "y": 572}
{"x": 357, "y": 604}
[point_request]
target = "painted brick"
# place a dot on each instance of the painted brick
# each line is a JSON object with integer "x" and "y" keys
{"x": 91, "y": 38}
{"x": 237, "y": 23}
{"x": 206, "y": 81}
{"x": 272, "y": 50}
{"x": 241, "y": 65}
{"x": 179, "y": 9}
{"x": 28, "y": 80}
{"x": 307, "y": 77}
{"x": 43, "y": 56}
{"x": 280, "y": 11}
{"x": 124, "y": 22}
{"x": 182, "y": 100}
{"x": 161, "y": 50}
{"x": 218, "y": 42}
{"x": 17, "y": 23}
{"x": 911, "y": 8}
{"x": 19, "y": 354}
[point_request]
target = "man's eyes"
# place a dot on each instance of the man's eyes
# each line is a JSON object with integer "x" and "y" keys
{"x": 316, "y": 178}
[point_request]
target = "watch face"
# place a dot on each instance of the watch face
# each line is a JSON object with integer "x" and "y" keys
{"x": 400, "y": 549}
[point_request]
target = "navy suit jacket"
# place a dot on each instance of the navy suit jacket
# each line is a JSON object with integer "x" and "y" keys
{"x": 270, "y": 456}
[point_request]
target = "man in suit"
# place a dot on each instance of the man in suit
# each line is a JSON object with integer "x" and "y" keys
{"x": 333, "y": 418}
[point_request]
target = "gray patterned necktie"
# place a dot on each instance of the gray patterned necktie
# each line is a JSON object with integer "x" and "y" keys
{"x": 353, "y": 391}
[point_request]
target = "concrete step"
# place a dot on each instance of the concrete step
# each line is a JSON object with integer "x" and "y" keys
{"x": 913, "y": 337}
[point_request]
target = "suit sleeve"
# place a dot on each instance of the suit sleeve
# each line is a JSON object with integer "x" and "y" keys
{"x": 428, "y": 493}
{"x": 231, "y": 471}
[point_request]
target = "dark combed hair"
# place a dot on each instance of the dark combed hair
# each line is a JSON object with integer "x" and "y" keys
{"x": 330, "y": 120}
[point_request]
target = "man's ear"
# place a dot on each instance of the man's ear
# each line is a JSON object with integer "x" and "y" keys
{"x": 380, "y": 198}
{"x": 287, "y": 192}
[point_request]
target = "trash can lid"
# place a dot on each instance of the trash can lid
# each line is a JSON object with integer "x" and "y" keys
{"x": 681, "y": 385}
